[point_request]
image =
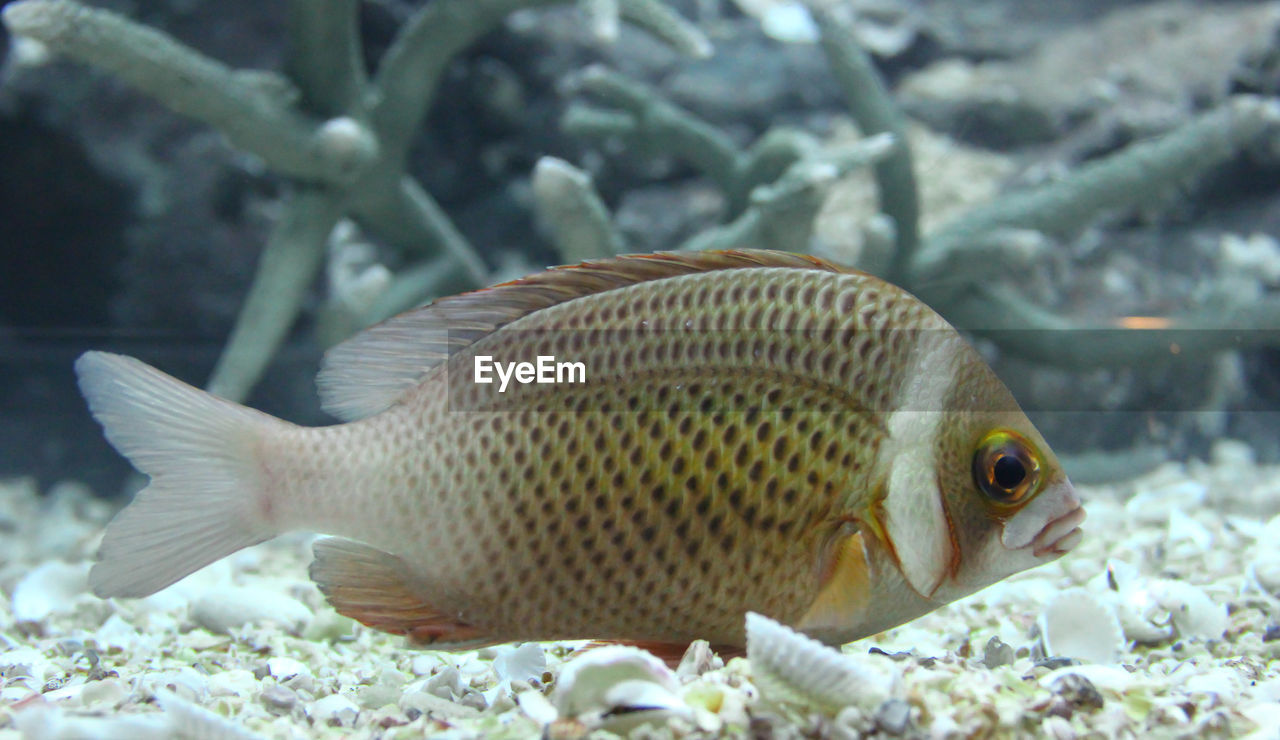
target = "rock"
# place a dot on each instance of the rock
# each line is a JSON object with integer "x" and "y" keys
{"x": 446, "y": 684}
{"x": 893, "y": 717}
{"x": 1154, "y": 64}
{"x": 278, "y": 699}
{"x": 228, "y": 608}
{"x": 997, "y": 653}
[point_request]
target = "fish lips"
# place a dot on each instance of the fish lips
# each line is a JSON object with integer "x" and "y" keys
{"x": 1059, "y": 536}
{"x": 1049, "y": 526}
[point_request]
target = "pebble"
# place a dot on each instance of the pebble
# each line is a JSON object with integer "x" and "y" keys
{"x": 278, "y": 699}
{"x": 108, "y": 692}
{"x": 424, "y": 703}
{"x": 997, "y": 653}
{"x": 232, "y": 682}
{"x": 377, "y": 696}
{"x": 446, "y": 684}
{"x": 894, "y": 716}
{"x": 227, "y": 608}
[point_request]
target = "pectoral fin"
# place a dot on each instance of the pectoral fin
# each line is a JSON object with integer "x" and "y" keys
{"x": 381, "y": 591}
{"x": 845, "y": 590}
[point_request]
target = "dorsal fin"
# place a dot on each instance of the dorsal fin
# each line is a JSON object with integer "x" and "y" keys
{"x": 367, "y": 373}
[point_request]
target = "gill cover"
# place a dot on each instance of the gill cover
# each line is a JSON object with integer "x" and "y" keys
{"x": 915, "y": 523}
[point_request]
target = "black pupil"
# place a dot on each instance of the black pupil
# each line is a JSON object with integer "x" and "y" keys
{"x": 1008, "y": 472}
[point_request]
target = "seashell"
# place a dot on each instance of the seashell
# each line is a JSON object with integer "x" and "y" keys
{"x": 1191, "y": 611}
{"x": 790, "y": 667}
{"x": 1077, "y": 624}
{"x": 227, "y": 608}
{"x": 1141, "y": 616}
{"x": 619, "y": 688}
{"x": 49, "y": 588}
{"x": 520, "y": 664}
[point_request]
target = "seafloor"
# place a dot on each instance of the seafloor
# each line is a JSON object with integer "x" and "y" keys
{"x": 1165, "y": 622}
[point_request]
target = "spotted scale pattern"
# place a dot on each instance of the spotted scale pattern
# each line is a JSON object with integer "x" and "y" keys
{"x": 729, "y": 424}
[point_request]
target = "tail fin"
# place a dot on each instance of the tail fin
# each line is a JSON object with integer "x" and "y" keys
{"x": 206, "y": 499}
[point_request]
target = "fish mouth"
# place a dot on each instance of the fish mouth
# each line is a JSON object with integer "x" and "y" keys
{"x": 1060, "y": 535}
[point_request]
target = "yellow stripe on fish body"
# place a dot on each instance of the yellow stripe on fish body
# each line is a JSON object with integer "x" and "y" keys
{"x": 755, "y": 431}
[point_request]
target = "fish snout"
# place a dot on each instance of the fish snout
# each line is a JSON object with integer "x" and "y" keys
{"x": 1060, "y": 535}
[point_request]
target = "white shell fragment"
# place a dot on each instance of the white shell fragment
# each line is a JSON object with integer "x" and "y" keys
{"x": 1193, "y": 613}
{"x": 187, "y": 720}
{"x": 1077, "y": 624}
{"x": 334, "y": 709}
{"x": 788, "y": 21}
{"x": 520, "y": 664}
{"x": 790, "y": 667}
{"x": 618, "y": 687}
{"x": 1152, "y": 611}
{"x": 230, "y": 607}
{"x": 1153, "y": 506}
{"x": 49, "y": 588}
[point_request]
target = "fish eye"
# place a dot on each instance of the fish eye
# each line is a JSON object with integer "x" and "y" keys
{"x": 1006, "y": 467}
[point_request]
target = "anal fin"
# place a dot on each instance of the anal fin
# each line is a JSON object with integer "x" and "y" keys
{"x": 381, "y": 591}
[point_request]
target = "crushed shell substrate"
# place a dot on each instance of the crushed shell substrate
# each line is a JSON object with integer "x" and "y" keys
{"x": 1178, "y": 574}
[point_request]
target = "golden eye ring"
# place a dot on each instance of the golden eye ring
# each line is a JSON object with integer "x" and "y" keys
{"x": 1006, "y": 467}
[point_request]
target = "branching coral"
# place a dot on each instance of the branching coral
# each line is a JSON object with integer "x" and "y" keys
{"x": 950, "y": 268}
{"x": 340, "y": 137}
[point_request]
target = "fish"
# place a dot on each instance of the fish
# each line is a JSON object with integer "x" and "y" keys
{"x": 751, "y": 431}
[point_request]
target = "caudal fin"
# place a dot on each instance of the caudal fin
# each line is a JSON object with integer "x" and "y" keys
{"x": 205, "y": 498}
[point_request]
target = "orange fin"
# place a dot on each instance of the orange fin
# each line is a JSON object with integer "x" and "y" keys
{"x": 845, "y": 588}
{"x": 379, "y": 590}
{"x": 670, "y": 653}
{"x": 369, "y": 372}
